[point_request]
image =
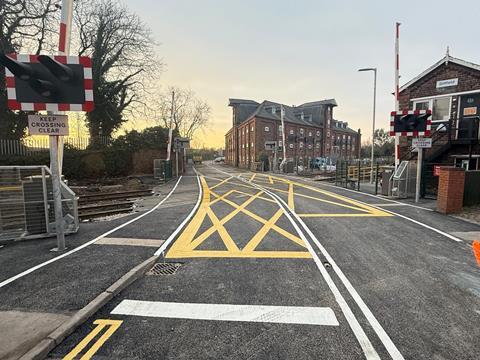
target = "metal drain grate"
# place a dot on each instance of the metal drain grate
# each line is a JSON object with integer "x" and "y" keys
{"x": 164, "y": 269}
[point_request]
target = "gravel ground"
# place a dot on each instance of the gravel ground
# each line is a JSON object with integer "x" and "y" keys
{"x": 471, "y": 213}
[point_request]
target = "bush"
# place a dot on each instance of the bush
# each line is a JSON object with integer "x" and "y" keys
{"x": 113, "y": 160}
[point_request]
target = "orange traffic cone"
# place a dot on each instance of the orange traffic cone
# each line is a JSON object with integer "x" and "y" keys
{"x": 476, "y": 250}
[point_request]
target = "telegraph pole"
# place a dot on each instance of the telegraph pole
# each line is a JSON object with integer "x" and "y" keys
{"x": 170, "y": 130}
{"x": 284, "y": 145}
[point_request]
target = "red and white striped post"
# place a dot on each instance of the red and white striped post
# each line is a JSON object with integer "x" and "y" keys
{"x": 56, "y": 142}
{"x": 397, "y": 90}
{"x": 64, "y": 49}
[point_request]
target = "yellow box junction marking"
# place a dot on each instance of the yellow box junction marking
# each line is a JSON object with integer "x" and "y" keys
{"x": 110, "y": 325}
{"x": 190, "y": 239}
{"x": 327, "y": 197}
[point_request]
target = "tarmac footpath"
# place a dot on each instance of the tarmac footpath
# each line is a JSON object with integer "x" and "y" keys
{"x": 45, "y": 295}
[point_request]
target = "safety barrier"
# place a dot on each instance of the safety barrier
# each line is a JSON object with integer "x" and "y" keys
{"x": 26, "y": 203}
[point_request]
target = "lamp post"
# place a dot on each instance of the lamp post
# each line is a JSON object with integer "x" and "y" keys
{"x": 373, "y": 122}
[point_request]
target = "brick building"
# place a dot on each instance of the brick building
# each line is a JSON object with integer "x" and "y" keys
{"x": 310, "y": 129}
{"x": 451, "y": 89}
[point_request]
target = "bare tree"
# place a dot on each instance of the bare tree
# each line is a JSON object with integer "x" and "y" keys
{"x": 122, "y": 50}
{"x": 27, "y": 26}
{"x": 190, "y": 113}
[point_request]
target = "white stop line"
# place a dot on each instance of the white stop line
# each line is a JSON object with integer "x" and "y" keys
{"x": 226, "y": 312}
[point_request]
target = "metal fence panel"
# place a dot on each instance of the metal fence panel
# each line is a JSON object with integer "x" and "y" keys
{"x": 32, "y": 146}
{"x": 26, "y": 203}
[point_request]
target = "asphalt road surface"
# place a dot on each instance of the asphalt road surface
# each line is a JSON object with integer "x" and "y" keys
{"x": 272, "y": 267}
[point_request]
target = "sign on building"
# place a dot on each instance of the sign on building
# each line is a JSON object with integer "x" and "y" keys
{"x": 422, "y": 143}
{"x": 270, "y": 145}
{"x": 447, "y": 83}
{"x": 55, "y": 125}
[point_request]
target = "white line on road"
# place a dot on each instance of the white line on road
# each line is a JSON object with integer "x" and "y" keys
{"x": 403, "y": 216}
{"x": 227, "y": 312}
{"x": 362, "y": 338}
{"x": 184, "y": 222}
{"x": 358, "y": 192}
{"x": 381, "y": 333}
{"x": 78, "y": 248}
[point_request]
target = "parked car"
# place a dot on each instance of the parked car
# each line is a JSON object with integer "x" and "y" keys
{"x": 197, "y": 159}
{"x": 220, "y": 159}
{"x": 323, "y": 163}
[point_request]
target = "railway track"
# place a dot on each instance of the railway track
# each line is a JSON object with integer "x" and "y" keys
{"x": 92, "y": 206}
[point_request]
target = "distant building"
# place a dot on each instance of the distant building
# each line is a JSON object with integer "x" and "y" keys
{"x": 311, "y": 132}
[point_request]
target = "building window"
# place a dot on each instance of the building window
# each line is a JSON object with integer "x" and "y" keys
{"x": 309, "y": 146}
{"x": 318, "y": 132}
{"x": 318, "y": 145}
{"x": 422, "y": 105}
{"x": 301, "y": 131}
{"x": 251, "y": 128}
{"x": 440, "y": 107}
{"x": 267, "y": 129}
{"x": 252, "y": 144}
{"x": 291, "y": 146}
{"x": 279, "y": 128}
{"x": 309, "y": 133}
{"x": 291, "y": 132}
{"x": 300, "y": 144}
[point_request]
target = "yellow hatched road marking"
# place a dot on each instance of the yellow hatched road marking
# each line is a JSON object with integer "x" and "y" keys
{"x": 221, "y": 183}
{"x": 227, "y": 239}
{"x": 253, "y": 177}
{"x": 186, "y": 244}
{"x": 253, "y": 243}
{"x": 112, "y": 326}
{"x": 270, "y": 180}
{"x": 281, "y": 231}
{"x": 354, "y": 205}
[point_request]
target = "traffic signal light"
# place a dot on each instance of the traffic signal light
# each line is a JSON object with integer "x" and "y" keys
{"x": 41, "y": 82}
{"x": 411, "y": 123}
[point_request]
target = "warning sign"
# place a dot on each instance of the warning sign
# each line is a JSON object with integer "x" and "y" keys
{"x": 48, "y": 125}
{"x": 422, "y": 143}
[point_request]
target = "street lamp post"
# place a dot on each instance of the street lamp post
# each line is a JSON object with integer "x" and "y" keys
{"x": 373, "y": 122}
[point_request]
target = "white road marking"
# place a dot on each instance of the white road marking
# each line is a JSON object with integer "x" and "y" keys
{"x": 381, "y": 333}
{"x": 184, "y": 222}
{"x": 362, "y": 338}
{"x": 130, "y": 242}
{"x": 227, "y": 312}
{"x": 403, "y": 216}
{"x": 78, "y": 248}
{"x": 359, "y": 192}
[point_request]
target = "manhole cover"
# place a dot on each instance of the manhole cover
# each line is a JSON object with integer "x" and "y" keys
{"x": 164, "y": 269}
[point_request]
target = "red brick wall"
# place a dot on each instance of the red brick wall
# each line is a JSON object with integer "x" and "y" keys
{"x": 451, "y": 184}
{"x": 248, "y": 154}
{"x": 468, "y": 79}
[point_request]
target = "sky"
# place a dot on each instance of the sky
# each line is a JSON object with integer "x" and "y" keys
{"x": 299, "y": 51}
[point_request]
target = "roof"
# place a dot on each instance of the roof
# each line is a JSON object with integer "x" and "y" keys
{"x": 321, "y": 102}
{"x": 445, "y": 60}
{"x": 308, "y": 114}
{"x": 347, "y": 129}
